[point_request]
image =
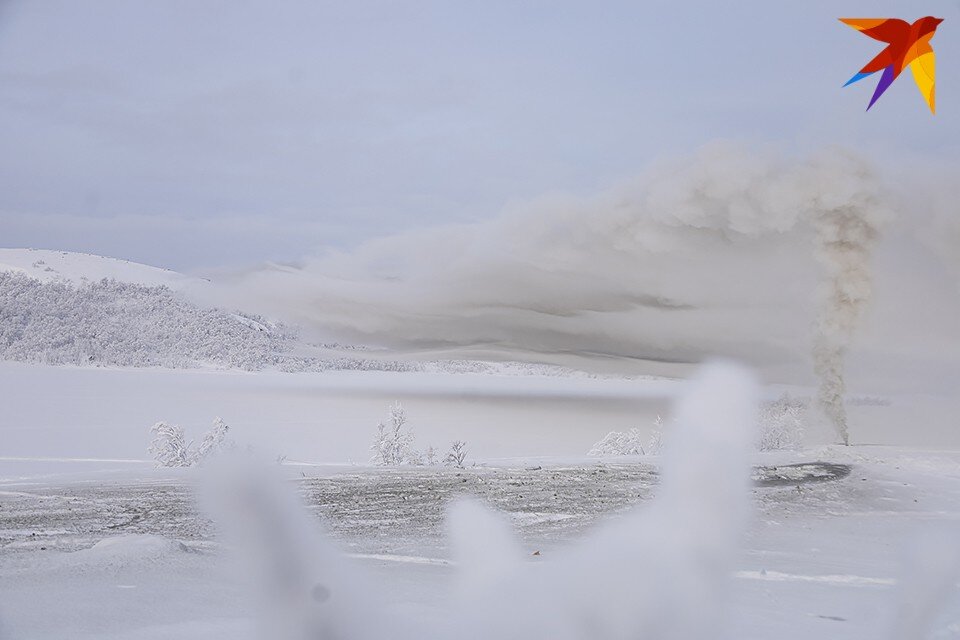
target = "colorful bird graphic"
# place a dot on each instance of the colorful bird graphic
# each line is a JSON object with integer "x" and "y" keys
{"x": 907, "y": 44}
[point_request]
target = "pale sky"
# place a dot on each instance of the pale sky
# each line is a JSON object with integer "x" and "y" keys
{"x": 198, "y": 133}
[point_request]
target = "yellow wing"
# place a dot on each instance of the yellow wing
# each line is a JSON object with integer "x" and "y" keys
{"x": 924, "y": 68}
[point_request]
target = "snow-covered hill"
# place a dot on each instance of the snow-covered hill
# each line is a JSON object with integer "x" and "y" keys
{"x": 58, "y": 307}
{"x": 46, "y": 265}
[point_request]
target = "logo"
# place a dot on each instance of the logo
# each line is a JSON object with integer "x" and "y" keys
{"x": 907, "y": 45}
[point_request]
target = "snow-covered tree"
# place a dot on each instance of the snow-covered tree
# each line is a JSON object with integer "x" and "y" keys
{"x": 381, "y": 447}
{"x": 457, "y": 454}
{"x": 401, "y": 436}
{"x": 629, "y": 443}
{"x": 781, "y": 424}
{"x": 619, "y": 443}
{"x": 169, "y": 449}
{"x": 214, "y": 441}
{"x": 393, "y": 443}
{"x": 414, "y": 458}
{"x": 655, "y": 445}
{"x": 431, "y": 456}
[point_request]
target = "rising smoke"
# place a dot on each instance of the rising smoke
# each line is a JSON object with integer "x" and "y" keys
{"x": 846, "y": 231}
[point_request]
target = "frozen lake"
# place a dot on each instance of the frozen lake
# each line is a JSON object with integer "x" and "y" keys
{"x": 822, "y": 555}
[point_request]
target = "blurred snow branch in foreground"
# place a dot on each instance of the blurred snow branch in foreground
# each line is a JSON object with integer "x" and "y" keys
{"x": 609, "y": 586}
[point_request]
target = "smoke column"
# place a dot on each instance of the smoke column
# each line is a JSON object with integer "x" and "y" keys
{"x": 846, "y": 232}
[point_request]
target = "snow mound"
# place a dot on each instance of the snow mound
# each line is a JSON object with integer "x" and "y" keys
{"x": 46, "y": 266}
{"x": 132, "y": 548}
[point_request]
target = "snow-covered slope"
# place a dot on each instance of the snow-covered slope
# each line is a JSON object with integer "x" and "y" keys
{"x": 59, "y": 307}
{"x": 46, "y": 265}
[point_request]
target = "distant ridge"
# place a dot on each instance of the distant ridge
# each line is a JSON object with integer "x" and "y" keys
{"x": 48, "y": 265}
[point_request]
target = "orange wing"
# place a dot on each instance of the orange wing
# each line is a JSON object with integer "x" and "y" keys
{"x": 889, "y": 30}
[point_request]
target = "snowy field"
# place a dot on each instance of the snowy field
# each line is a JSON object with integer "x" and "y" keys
{"x": 96, "y": 543}
{"x": 133, "y": 557}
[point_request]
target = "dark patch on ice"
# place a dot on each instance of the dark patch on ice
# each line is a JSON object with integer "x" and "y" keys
{"x": 790, "y": 475}
{"x": 835, "y": 618}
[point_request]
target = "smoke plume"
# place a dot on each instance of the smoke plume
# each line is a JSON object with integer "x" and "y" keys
{"x": 846, "y": 230}
{"x": 707, "y": 255}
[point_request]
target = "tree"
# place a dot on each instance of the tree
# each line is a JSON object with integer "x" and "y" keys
{"x": 168, "y": 447}
{"x": 618, "y": 443}
{"x": 382, "y": 451}
{"x": 393, "y": 443}
{"x": 214, "y": 441}
{"x": 656, "y": 437}
{"x": 431, "y": 456}
{"x": 781, "y": 424}
{"x": 457, "y": 454}
{"x": 629, "y": 443}
{"x": 401, "y": 437}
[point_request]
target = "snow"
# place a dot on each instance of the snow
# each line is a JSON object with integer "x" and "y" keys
{"x": 130, "y": 548}
{"x": 824, "y": 562}
{"x": 122, "y": 550}
{"x": 47, "y": 266}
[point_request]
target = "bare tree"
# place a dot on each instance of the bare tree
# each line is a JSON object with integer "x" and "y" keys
{"x": 457, "y": 454}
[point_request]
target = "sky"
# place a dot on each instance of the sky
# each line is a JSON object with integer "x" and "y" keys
{"x": 202, "y": 134}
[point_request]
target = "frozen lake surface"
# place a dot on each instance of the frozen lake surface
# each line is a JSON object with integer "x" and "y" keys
{"x": 822, "y": 555}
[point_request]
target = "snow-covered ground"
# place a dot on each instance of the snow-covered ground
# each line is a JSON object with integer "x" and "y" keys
{"x": 46, "y": 265}
{"x": 132, "y": 557}
{"x": 98, "y": 544}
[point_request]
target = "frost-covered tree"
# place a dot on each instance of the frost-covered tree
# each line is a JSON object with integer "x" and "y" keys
{"x": 431, "y": 456}
{"x": 414, "y": 458}
{"x": 629, "y": 443}
{"x": 457, "y": 454}
{"x": 401, "y": 436}
{"x": 619, "y": 443}
{"x": 655, "y": 445}
{"x": 781, "y": 424}
{"x": 393, "y": 443}
{"x": 169, "y": 449}
{"x": 381, "y": 447}
{"x": 214, "y": 441}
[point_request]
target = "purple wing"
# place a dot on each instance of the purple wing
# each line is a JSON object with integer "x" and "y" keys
{"x": 885, "y": 81}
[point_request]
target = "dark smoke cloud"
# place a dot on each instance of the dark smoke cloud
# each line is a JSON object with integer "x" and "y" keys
{"x": 711, "y": 254}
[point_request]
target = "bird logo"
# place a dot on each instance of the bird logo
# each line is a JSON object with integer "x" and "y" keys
{"x": 907, "y": 44}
